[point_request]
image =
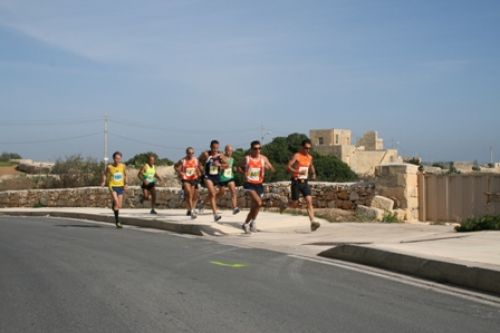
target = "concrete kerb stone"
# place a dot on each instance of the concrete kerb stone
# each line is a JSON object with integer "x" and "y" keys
{"x": 191, "y": 229}
{"x": 373, "y": 213}
{"x": 381, "y": 202}
{"x": 456, "y": 273}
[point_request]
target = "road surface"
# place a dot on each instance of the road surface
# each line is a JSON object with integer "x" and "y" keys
{"x": 63, "y": 275}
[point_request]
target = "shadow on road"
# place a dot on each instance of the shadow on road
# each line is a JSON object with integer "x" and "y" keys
{"x": 78, "y": 226}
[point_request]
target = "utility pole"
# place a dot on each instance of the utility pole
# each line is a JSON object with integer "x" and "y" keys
{"x": 491, "y": 154}
{"x": 263, "y": 133}
{"x": 106, "y": 158}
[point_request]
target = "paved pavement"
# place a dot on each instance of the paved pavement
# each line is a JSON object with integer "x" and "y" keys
{"x": 67, "y": 275}
{"x": 290, "y": 234}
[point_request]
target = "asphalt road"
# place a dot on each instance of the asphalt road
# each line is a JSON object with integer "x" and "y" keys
{"x": 59, "y": 275}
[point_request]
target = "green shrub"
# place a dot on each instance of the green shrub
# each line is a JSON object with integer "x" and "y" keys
{"x": 487, "y": 222}
{"x": 140, "y": 159}
{"x": 76, "y": 171}
{"x": 390, "y": 218}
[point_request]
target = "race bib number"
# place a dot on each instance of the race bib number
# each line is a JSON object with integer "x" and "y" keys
{"x": 303, "y": 172}
{"x": 190, "y": 172}
{"x": 228, "y": 173}
{"x": 214, "y": 170}
{"x": 117, "y": 176}
{"x": 254, "y": 174}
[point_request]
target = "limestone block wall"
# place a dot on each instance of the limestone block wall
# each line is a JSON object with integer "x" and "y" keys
{"x": 332, "y": 195}
{"x": 399, "y": 182}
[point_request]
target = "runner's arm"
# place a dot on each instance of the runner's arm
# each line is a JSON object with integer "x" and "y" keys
{"x": 202, "y": 159}
{"x": 268, "y": 164}
{"x": 125, "y": 178}
{"x": 291, "y": 163}
{"x": 178, "y": 168}
{"x": 242, "y": 167}
{"x": 140, "y": 173}
{"x": 313, "y": 171}
{"x": 223, "y": 162}
{"x": 104, "y": 178}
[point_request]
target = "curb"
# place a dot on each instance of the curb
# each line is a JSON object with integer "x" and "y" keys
{"x": 191, "y": 229}
{"x": 459, "y": 274}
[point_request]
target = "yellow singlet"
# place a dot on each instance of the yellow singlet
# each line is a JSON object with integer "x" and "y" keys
{"x": 116, "y": 175}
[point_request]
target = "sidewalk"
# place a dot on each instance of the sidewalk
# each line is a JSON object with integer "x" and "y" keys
{"x": 435, "y": 252}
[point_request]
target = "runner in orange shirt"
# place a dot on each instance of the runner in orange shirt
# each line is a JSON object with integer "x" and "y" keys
{"x": 300, "y": 165}
{"x": 254, "y": 167}
{"x": 189, "y": 173}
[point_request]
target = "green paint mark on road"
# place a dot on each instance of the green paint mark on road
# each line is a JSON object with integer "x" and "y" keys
{"x": 223, "y": 264}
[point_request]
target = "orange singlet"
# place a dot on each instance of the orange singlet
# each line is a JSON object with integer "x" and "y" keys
{"x": 255, "y": 170}
{"x": 302, "y": 165}
{"x": 189, "y": 169}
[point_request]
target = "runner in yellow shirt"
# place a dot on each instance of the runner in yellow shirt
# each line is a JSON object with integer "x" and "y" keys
{"x": 115, "y": 178}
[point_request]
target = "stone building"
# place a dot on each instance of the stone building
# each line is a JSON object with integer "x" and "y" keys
{"x": 363, "y": 157}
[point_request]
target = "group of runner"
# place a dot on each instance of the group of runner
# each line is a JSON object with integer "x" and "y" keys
{"x": 216, "y": 171}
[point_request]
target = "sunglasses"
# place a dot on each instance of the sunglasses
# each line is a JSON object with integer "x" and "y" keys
{"x": 307, "y": 147}
{"x": 256, "y": 148}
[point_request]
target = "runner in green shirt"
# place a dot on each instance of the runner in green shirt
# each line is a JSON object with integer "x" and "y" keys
{"x": 227, "y": 179}
{"x": 147, "y": 174}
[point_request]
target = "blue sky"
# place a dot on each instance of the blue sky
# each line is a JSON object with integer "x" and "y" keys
{"x": 424, "y": 74}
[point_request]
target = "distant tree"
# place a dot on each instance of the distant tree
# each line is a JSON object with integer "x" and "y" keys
{"x": 442, "y": 165}
{"x": 414, "y": 160}
{"x": 140, "y": 159}
{"x": 4, "y": 157}
{"x": 452, "y": 170}
{"x": 331, "y": 168}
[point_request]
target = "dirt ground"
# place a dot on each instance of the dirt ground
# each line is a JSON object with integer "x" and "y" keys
{"x": 8, "y": 170}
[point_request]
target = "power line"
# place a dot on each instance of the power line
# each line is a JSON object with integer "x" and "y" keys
{"x": 69, "y": 138}
{"x": 144, "y": 142}
{"x": 177, "y": 129}
{"x": 50, "y": 122}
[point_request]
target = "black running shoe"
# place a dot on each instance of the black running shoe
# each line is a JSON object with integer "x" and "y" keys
{"x": 315, "y": 226}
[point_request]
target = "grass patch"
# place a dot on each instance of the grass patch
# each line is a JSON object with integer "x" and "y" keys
{"x": 390, "y": 218}
{"x": 7, "y": 164}
{"x": 39, "y": 205}
{"x": 487, "y": 222}
{"x": 364, "y": 218}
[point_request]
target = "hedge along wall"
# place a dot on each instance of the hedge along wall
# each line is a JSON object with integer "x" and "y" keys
{"x": 325, "y": 195}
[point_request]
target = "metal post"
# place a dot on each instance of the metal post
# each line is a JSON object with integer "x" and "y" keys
{"x": 106, "y": 158}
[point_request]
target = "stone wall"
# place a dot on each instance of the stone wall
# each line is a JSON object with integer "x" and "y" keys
{"x": 332, "y": 195}
{"x": 399, "y": 182}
